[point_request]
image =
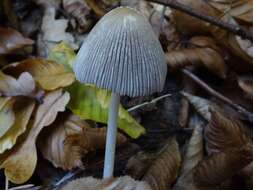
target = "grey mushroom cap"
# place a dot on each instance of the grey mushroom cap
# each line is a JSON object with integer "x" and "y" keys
{"x": 122, "y": 54}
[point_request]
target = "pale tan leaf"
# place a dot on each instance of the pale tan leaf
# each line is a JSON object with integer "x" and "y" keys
{"x": 20, "y": 163}
{"x": 121, "y": 183}
{"x": 246, "y": 84}
{"x": 22, "y": 109}
{"x": 164, "y": 170}
{"x": 223, "y": 133}
{"x": 48, "y": 74}
{"x": 71, "y": 134}
{"x": 222, "y": 166}
{"x": 195, "y": 151}
{"x": 23, "y": 86}
{"x": 7, "y": 116}
{"x": 11, "y": 40}
{"x": 201, "y": 105}
{"x": 202, "y": 52}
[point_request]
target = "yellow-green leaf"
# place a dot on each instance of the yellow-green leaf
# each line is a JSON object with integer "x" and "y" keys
{"x": 89, "y": 102}
{"x": 48, "y": 74}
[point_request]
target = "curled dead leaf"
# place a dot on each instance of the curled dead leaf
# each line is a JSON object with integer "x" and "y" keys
{"x": 121, "y": 183}
{"x": 246, "y": 84}
{"x": 48, "y": 74}
{"x": 164, "y": 170}
{"x": 223, "y": 134}
{"x": 20, "y": 162}
{"x": 23, "y": 86}
{"x": 11, "y": 40}
{"x": 71, "y": 134}
{"x": 222, "y": 166}
{"x": 203, "y": 52}
{"x": 22, "y": 109}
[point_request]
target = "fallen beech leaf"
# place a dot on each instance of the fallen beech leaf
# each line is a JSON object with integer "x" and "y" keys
{"x": 89, "y": 102}
{"x": 121, "y": 183}
{"x": 138, "y": 164}
{"x": 164, "y": 170}
{"x": 11, "y": 40}
{"x": 202, "y": 52}
{"x": 49, "y": 74}
{"x": 7, "y": 116}
{"x": 63, "y": 54}
{"x": 246, "y": 84}
{"x": 22, "y": 109}
{"x": 23, "y": 86}
{"x": 223, "y": 134}
{"x": 71, "y": 134}
{"x": 195, "y": 151}
{"x": 222, "y": 166}
{"x": 201, "y": 105}
{"x": 20, "y": 163}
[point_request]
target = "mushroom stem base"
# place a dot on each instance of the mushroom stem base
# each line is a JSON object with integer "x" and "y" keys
{"x": 111, "y": 136}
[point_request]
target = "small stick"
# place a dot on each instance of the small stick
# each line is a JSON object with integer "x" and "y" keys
{"x": 6, "y": 183}
{"x": 211, "y": 91}
{"x": 235, "y": 29}
{"x": 148, "y": 103}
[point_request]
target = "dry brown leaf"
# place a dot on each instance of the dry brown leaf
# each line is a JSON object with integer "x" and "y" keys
{"x": 164, "y": 170}
{"x": 48, "y": 74}
{"x": 11, "y": 40}
{"x": 223, "y": 134}
{"x": 202, "y": 52}
{"x": 222, "y": 166}
{"x": 22, "y": 109}
{"x": 121, "y": 183}
{"x": 242, "y": 10}
{"x": 201, "y": 105}
{"x": 246, "y": 84}
{"x": 71, "y": 134}
{"x": 7, "y": 116}
{"x": 23, "y": 86}
{"x": 138, "y": 164}
{"x": 20, "y": 163}
{"x": 195, "y": 151}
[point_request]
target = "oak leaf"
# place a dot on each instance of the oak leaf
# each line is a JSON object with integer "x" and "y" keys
{"x": 48, "y": 74}
{"x": 71, "y": 134}
{"x": 20, "y": 163}
{"x": 23, "y": 86}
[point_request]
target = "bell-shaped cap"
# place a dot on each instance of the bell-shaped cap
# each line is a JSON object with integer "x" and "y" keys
{"x": 122, "y": 54}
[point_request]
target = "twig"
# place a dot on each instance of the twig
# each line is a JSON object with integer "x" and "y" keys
{"x": 148, "y": 103}
{"x": 235, "y": 29}
{"x": 6, "y": 183}
{"x": 211, "y": 91}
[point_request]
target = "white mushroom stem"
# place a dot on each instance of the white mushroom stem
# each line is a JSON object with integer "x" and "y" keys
{"x": 111, "y": 136}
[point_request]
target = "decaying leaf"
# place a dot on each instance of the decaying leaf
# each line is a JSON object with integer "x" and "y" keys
{"x": 71, "y": 134}
{"x": 23, "y": 86}
{"x": 57, "y": 33}
{"x": 202, "y": 52}
{"x": 20, "y": 163}
{"x": 246, "y": 84}
{"x": 7, "y": 116}
{"x": 223, "y": 134}
{"x": 138, "y": 164}
{"x": 222, "y": 166}
{"x": 48, "y": 74}
{"x": 121, "y": 183}
{"x": 163, "y": 172}
{"x": 22, "y": 109}
{"x": 89, "y": 102}
{"x": 201, "y": 105}
{"x": 195, "y": 151}
{"x": 11, "y": 40}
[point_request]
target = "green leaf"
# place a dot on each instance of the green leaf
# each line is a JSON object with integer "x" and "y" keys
{"x": 62, "y": 53}
{"x": 89, "y": 102}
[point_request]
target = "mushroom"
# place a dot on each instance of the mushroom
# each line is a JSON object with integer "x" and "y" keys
{"x": 121, "y": 54}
